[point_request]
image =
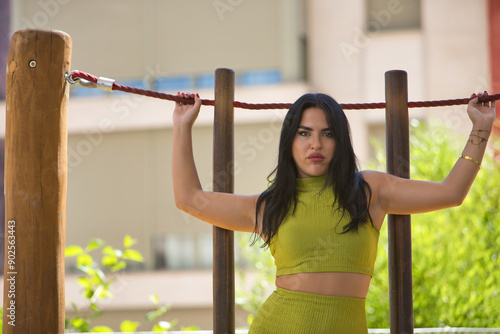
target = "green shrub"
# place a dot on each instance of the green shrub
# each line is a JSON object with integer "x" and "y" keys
{"x": 96, "y": 281}
{"x": 456, "y": 276}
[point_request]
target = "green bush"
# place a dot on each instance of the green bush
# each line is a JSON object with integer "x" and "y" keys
{"x": 96, "y": 281}
{"x": 456, "y": 276}
{"x": 261, "y": 262}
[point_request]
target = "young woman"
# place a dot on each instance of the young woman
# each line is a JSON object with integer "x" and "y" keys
{"x": 320, "y": 216}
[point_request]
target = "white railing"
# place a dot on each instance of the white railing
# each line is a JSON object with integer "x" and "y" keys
{"x": 456, "y": 330}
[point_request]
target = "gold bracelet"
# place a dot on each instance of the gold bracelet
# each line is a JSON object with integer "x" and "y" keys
{"x": 466, "y": 157}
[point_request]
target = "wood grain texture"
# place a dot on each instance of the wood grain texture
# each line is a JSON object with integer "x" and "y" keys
{"x": 35, "y": 180}
{"x": 399, "y": 226}
{"x": 223, "y": 168}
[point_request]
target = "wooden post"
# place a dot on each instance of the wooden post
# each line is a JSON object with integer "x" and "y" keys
{"x": 399, "y": 226}
{"x": 224, "y": 317}
{"x": 35, "y": 182}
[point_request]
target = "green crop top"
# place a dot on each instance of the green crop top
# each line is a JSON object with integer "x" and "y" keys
{"x": 310, "y": 240}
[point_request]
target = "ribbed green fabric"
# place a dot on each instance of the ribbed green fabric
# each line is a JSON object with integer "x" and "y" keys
{"x": 292, "y": 312}
{"x": 311, "y": 239}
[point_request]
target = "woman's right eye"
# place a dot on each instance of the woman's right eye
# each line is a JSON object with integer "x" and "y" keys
{"x": 303, "y": 133}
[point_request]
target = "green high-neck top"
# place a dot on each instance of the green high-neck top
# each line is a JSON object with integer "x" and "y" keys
{"x": 311, "y": 239}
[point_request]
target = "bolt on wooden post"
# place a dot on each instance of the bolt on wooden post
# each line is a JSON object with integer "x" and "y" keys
{"x": 399, "y": 226}
{"x": 35, "y": 181}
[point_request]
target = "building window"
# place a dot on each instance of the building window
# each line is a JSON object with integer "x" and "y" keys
{"x": 382, "y": 15}
{"x": 177, "y": 251}
{"x": 191, "y": 251}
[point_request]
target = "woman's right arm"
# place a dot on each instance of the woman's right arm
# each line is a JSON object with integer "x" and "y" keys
{"x": 229, "y": 211}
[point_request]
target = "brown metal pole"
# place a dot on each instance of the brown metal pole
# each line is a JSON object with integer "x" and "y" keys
{"x": 35, "y": 182}
{"x": 223, "y": 283}
{"x": 399, "y": 226}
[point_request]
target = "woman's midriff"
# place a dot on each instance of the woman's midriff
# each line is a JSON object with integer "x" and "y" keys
{"x": 328, "y": 284}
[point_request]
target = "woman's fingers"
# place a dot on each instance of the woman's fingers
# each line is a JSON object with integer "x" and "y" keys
{"x": 477, "y": 97}
{"x": 186, "y": 96}
{"x": 476, "y": 100}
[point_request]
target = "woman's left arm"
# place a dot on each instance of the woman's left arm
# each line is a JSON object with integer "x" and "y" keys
{"x": 391, "y": 194}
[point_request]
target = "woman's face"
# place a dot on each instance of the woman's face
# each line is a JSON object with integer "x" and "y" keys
{"x": 313, "y": 146}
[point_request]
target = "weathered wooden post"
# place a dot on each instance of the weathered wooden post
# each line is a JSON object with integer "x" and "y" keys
{"x": 223, "y": 168}
{"x": 399, "y": 226}
{"x": 35, "y": 181}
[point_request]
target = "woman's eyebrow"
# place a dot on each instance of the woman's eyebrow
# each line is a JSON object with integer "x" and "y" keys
{"x": 310, "y": 129}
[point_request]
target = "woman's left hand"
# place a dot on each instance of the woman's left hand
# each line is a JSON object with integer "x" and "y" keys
{"x": 481, "y": 114}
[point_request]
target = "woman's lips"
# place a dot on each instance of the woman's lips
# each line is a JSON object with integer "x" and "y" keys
{"x": 316, "y": 157}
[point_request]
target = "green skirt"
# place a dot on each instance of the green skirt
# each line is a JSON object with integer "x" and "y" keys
{"x": 293, "y": 312}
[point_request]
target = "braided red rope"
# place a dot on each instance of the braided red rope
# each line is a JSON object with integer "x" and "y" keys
{"x": 243, "y": 105}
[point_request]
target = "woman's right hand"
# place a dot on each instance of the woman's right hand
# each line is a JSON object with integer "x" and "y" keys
{"x": 482, "y": 115}
{"x": 186, "y": 114}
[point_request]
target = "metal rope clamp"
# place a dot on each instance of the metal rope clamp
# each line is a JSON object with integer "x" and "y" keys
{"x": 80, "y": 81}
{"x": 105, "y": 83}
{"x": 102, "y": 82}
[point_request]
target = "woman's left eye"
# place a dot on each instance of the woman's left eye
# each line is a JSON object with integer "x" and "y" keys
{"x": 328, "y": 134}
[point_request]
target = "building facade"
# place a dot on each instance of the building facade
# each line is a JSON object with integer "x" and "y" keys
{"x": 119, "y": 148}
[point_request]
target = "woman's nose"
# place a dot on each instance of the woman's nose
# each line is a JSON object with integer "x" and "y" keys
{"x": 315, "y": 142}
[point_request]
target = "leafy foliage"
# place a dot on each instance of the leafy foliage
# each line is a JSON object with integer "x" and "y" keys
{"x": 456, "y": 276}
{"x": 261, "y": 260}
{"x": 99, "y": 276}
